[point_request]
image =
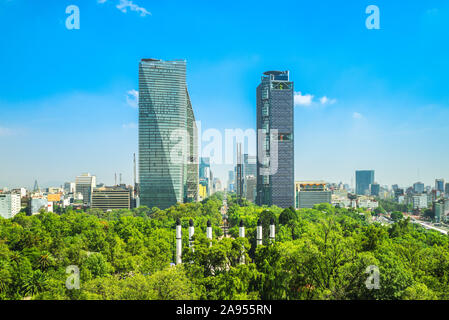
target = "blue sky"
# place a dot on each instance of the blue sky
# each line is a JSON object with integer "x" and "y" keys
{"x": 65, "y": 107}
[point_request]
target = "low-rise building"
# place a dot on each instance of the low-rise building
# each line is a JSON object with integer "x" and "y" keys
{"x": 109, "y": 198}
{"x": 310, "y": 193}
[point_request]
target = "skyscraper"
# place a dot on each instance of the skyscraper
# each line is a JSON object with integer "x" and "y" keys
{"x": 363, "y": 180}
{"x": 439, "y": 185}
{"x": 168, "y": 142}
{"x": 275, "y": 147}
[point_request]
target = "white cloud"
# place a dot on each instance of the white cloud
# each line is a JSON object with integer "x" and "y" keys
{"x": 124, "y": 5}
{"x": 303, "y": 100}
{"x": 357, "y": 115}
{"x": 132, "y": 98}
{"x": 325, "y": 100}
{"x": 130, "y": 125}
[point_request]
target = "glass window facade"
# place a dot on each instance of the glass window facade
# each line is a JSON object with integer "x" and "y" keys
{"x": 168, "y": 165}
{"x": 275, "y": 115}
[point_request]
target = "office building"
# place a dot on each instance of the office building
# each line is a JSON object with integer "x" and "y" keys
{"x": 69, "y": 187}
{"x": 202, "y": 192}
{"x": 168, "y": 141}
{"x": 363, "y": 180}
{"x": 205, "y": 178}
{"x": 275, "y": 140}
{"x": 251, "y": 188}
{"x": 439, "y": 185}
{"x": 110, "y": 198}
{"x": 38, "y": 203}
{"x": 419, "y": 201}
{"x": 375, "y": 189}
{"x": 249, "y": 165}
{"x": 310, "y": 193}
{"x": 418, "y": 187}
{"x": 231, "y": 180}
{"x": 85, "y": 184}
{"x": 441, "y": 210}
{"x": 10, "y": 205}
{"x": 20, "y": 191}
{"x": 446, "y": 189}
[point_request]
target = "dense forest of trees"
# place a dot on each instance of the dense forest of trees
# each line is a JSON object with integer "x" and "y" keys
{"x": 320, "y": 253}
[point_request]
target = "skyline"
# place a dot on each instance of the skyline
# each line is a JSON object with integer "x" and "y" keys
{"x": 365, "y": 99}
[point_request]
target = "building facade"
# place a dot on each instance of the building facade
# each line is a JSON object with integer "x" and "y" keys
{"x": 10, "y": 205}
{"x": 363, "y": 180}
{"x": 275, "y": 140}
{"x": 85, "y": 184}
{"x": 418, "y": 187}
{"x": 439, "y": 185}
{"x": 168, "y": 142}
{"x": 310, "y": 193}
{"x": 110, "y": 198}
{"x": 375, "y": 189}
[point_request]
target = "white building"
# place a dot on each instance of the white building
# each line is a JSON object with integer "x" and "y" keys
{"x": 69, "y": 187}
{"x": 9, "y": 205}
{"x": 419, "y": 201}
{"x": 37, "y": 204}
{"x": 21, "y": 191}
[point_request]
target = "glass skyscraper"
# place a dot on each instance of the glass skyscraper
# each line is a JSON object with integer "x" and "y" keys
{"x": 275, "y": 123}
{"x": 168, "y": 142}
{"x": 363, "y": 180}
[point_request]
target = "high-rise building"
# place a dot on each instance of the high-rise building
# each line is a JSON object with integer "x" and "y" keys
{"x": 85, "y": 184}
{"x": 275, "y": 140}
{"x": 249, "y": 165}
{"x": 363, "y": 180}
{"x": 310, "y": 193}
{"x": 375, "y": 189}
{"x": 418, "y": 187}
{"x": 446, "y": 189}
{"x": 250, "y": 188}
{"x": 9, "y": 205}
{"x": 168, "y": 141}
{"x": 439, "y": 185}
{"x": 109, "y": 198}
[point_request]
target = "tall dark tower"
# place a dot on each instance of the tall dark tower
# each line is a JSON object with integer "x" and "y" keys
{"x": 275, "y": 140}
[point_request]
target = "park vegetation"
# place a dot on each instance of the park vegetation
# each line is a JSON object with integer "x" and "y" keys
{"x": 319, "y": 253}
